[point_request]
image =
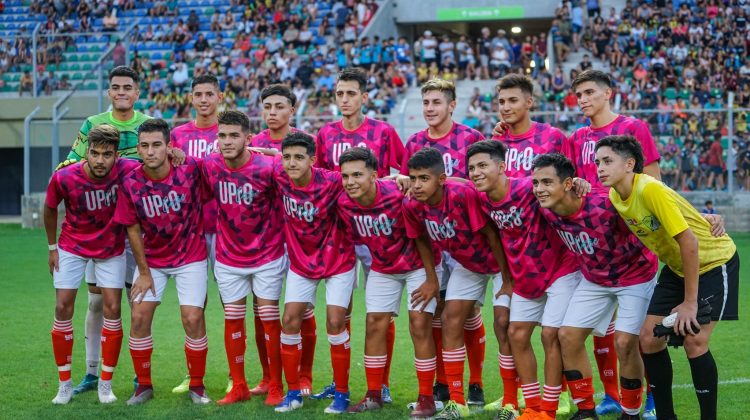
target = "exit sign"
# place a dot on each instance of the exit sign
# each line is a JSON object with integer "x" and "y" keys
{"x": 479, "y": 13}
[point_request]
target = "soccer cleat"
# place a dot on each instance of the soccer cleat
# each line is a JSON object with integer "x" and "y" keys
{"x": 608, "y": 406}
{"x": 64, "y": 393}
{"x": 106, "y": 395}
{"x": 506, "y": 412}
{"x": 585, "y": 415}
{"x": 544, "y": 416}
{"x": 238, "y": 393}
{"x": 141, "y": 395}
{"x": 453, "y": 410}
{"x": 521, "y": 401}
{"x": 292, "y": 401}
{"x": 476, "y": 395}
{"x": 327, "y": 392}
{"x": 649, "y": 411}
{"x": 88, "y": 383}
{"x": 563, "y": 407}
{"x": 529, "y": 414}
{"x": 275, "y": 395}
{"x": 305, "y": 386}
{"x": 424, "y": 407}
{"x": 626, "y": 416}
{"x": 440, "y": 392}
{"x": 183, "y": 387}
{"x": 339, "y": 404}
{"x": 199, "y": 396}
{"x": 261, "y": 388}
{"x": 385, "y": 395}
{"x": 371, "y": 402}
{"x": 496, "y": 405}
{"x": 438, "y": 405}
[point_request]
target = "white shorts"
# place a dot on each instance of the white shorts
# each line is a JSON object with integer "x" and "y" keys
{"x": 365, "y": 261}
{"x": 549, "y": 309}
{"x": 190, "y": 280}
{"x": 592, "y": 306}
{"x": 211, "y": 250}
{"x": 338, "y": 288}
{"x": 264, "y": 282}
{"x": 468, "y": 285}
{"x": 108, "y": 273}
{"x": 503, "y": 300}
{"x": 130, "y": 267}
{"x": 383, "y": 291}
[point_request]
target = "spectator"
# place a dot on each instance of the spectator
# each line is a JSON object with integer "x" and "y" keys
{"x": 716, "y": 164}
{"x": 669, "y": 172}
{"x": 708, "y": 208}
{"x": 428, "y": 54}
{"x": 26, "y": 84}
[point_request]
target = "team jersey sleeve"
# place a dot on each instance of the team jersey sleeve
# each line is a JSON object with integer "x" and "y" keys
{"x": 125, "y": 213}
{"x": 414, "y": 227}
{"x": 54, "y": 192}
{"x": 396, "y": 150}
{"x": 643, "y": 135}
{"x": 477, "y": 219}
{"x": 404, "y": 170}
{"x": 660, "y": 203}
{"x": 320, "y": 152}
{"x": 80, "y": 145}
{"x": 568, "y": 150}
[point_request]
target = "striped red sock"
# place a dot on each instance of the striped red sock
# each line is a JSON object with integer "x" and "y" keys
{"x": 425, "y": 374}
{"x": 260, "y": 344}
{"x": 475, "y": 338}
{"x": 272, "y": 326}
{"x": 111, "y": 343}
{"x": 606, "y": 362}
{"x": 532, "y": 395}
{"x": 437, "y": 337}
{"x": 62, "y": 347}
{"x": 582, "y": 391}
{"x": 196, "y": 350}
{"x": 454, "y": 372}
{"x": 374, "y": 369}
{"x": 291, "y": 353}
{"x": 341, "y": 355}
{"x": 551, "y": 399}
{"x": 390, "y": 341}
{"x": 309, "y": 341}
{"x": 234, "y": 341}
{"x": 509, "y": 375}
{"x": 140, "y": 352}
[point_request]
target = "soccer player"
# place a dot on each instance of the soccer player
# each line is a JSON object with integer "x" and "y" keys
{"x": 372, "y": 211}
{"x": 89, "y": 190}
{"x": 353, "y": 130}
{"x": 451, "y": 139}
{"x": 545, "y": 274}
{"x": 249, "y": 249}
{"x": 618, "y": 271}
{"x": 319, "y": 250}
{"x": 699, "y": 267}
{"x": 161, "y": 208}
{"x": 449, "y": 212}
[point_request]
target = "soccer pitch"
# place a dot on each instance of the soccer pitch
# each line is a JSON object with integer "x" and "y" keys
{"x": 29, "y": 378}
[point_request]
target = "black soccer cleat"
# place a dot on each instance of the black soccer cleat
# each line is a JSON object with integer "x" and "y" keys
{"x": 476, "y": 395}
{"x": 440, "y": 392}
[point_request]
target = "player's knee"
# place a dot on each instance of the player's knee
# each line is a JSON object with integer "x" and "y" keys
{"x": 502, "y": 320}
{"x": 626, "y": 345}
{"x": 695, "y": 345}
{"x": 63, "y": 311}
{"x": 569, "y": 340}
{"x": 518, "y": 336}
{"x": 192, "y": 320}
{"x": 138, "y": 321}
{"x": 549, "y": 337}
{"x": 112, "y": 309}
{"x": 335, "y": 324}
{"x": 420, "y": 328}
{"x": 291, "y": 324}
{"x": 376, "y": 323}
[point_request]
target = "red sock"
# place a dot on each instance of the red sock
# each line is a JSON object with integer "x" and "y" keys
{"x": 62, "y": 347}
{"x": 309, "y": 340}
{"x": 425, "y": 374}
{"x": 341, "y": 355}
{"x": 111, "y": 344}
{"x": 260, "y": 344}
{"x": 390, "y": 340}
{"x": 291, "y": 353}
{"x": 632, "y": 393}
{"x": 476, "y": 341}
{"x": 454, "y": 373}
{"x": 509, "y": 376}
{"x": 374, "y": 370}
{"x": 272, "y": 326}
{"x": 582, "y": 391}
{"x": 234, "y": 341}
{"x": 532, "y": 395}
{"x": 437, "y": 337}
{"x": 140, "y": 352}
{"x": 606, "y": 362}
{"x": 551, "y": 399}
{"x": 196, "y": 350}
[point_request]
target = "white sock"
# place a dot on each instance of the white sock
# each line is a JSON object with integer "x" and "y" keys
{"x": 94, "y": 322}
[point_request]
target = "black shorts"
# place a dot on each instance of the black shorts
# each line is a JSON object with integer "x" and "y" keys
{"x": 720, "y": 286}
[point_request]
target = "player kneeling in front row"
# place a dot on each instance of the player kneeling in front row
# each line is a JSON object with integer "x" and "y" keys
{"x": 371, "y": 210}
{"x": 161, "y": 207}
{"x": 700, "y": 270}
{"x": 89, "y": 233}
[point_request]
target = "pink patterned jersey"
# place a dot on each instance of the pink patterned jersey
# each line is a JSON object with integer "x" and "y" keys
{"x": 452, "y": 146}
{"x": 249, "y": 223}
{"x": 608, "y": 253}
{"x": 198, "y": 143}
{"x": 581, "y": 145}
{"x": 316, "y": 239}
{"x": 381, "y": 228}
{"x": 536, "y": 255}
{"x": 88, "y": 229}
{"x": 263, "y": 139}
{"x": 453, "y": 226}
{"x": 169, "y": 212}
{"x": 378, "y": 136}
{"x": 523, "y": 148}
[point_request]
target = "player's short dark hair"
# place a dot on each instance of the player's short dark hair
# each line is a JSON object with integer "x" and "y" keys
{"x": 496, "y": 150}
{"x": 155, "y": 125}
{"x": 626, "y": 147}
{"x": 354, "y": 154}
{"x": 124, "y": 71}
{"x": 597, "y": 76}
{"x": 353, "y": 74}
{"x": 104, "y": 135}
{"x": 298, "y": 138}
{"x": 563, "y": 166}
{"x": 427, "y": 158}
{"x": 281, "y": 90}
{"x": 234, "y": 117}
{"x": 708, "y": 202}
{"x": 446, "y": 86}
{"x": 514, "y": 80}
{"x": 204, "y": 79}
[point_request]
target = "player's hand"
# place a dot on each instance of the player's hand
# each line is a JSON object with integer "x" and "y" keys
{"x": 425, "y": 293}
{"x": 581, "y": 187}
{"x": 404, "y": 183}
{"x": 178, "y": 157}
{"x": 141, "y": 285}
{"x": 506, "y": 289}
{"x": 54, "y": 261}
{"x": 717, "y": 224}
{"x": 687, "y": 317}
{"x": 65, "y": 163}
{"x": 500, "y": 129}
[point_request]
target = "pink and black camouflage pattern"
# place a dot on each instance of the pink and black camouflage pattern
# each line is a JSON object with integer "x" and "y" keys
{"x": 263, "y": 139}
{"x": 524, "y": 148}
{"x": 452, "y": 146}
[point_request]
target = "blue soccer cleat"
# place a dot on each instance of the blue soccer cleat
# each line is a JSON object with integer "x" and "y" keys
{"x": 327, "y": 392}
{"x": 291, "y": 402}
{"x": 340, "y": 403}
{"x": 608, "y": 406}
{"x": 89, "y": 383}
{"x": 385, "y": 395}
{"x": 649, "y": 410}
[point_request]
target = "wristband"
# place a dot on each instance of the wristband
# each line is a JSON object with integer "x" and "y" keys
{"x": 52, "y": 247}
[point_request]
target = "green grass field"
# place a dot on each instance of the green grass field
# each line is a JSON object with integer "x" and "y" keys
{"x": 28, "y": 378}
